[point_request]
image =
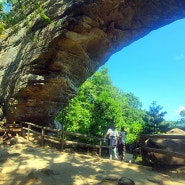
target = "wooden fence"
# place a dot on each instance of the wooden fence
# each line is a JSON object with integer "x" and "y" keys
{"x": 58, "y": 136}
{"x": 145, "y": 149}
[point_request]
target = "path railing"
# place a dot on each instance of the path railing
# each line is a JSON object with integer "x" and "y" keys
{"x": 58, "y": 136}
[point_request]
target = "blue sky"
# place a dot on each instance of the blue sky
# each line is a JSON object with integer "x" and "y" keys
{"x": 153, "y": 69}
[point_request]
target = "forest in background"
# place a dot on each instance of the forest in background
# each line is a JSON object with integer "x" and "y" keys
{"x": 99, "y": 104}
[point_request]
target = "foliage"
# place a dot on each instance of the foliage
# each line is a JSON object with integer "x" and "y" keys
{"x": 13, "y": 12}
{"x": 155, "y": 116}
{"x": 181, "y": 122}
{"x": 99, "y": 104}
{"x": 182, "y": 113}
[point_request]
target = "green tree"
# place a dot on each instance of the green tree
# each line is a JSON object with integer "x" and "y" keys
{"x": 99, "y": 104}
{"x": 156, "y": 115}
{"x": 182, "y": 113}
{"x": 181, "y": 122}
{"x": 133, "y": 117}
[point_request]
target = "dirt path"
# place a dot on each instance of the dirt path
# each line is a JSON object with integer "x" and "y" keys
{"x": 28, "y": 164}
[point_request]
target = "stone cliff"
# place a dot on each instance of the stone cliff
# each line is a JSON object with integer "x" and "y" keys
{"x": 43, "y": 64}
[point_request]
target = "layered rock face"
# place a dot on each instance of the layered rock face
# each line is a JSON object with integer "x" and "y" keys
{"x": 43, "y": 64}
{"x": 168, "y": 144}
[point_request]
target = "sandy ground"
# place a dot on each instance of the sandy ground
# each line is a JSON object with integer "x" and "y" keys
{"x": 27, "y": 164}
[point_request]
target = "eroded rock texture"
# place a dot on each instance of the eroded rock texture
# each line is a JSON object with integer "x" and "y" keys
{"x": 43, "y": 64}
{"x": 169, "y": 144}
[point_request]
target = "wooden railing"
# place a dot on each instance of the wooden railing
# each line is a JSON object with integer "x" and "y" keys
{"x": 146, "y": 149}
{"x": 58, "y": 136}
{"x": 8, "y": 129}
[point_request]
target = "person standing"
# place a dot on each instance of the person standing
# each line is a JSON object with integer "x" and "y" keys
{"x": 113, "y": 136}
{"x": 121, "y": 144}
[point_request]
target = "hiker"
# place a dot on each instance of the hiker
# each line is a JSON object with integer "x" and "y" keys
{"x": 121, "y": 144}
{"x": 113, "y": 136}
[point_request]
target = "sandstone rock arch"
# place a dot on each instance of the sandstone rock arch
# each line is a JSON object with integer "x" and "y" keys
{"x": 43, "y": 64}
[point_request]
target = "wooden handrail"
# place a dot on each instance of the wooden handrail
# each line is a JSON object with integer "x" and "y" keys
{"x": 81, "y": 135}
{"x": 166, "y": 152}
{"x": 32, "y": 124}
{"x": 143, "y": 137}
{"x": 61, "y": 133}
{"x": 170, "y": 136}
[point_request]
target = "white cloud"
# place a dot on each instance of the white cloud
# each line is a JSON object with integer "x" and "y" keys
{"x": 174, "y": 115}
{"x": 180, "y": 57}
{"x": 177, "y": 112}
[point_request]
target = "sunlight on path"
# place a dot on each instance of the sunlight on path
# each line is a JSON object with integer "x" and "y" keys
{"x": 28, "y": 164}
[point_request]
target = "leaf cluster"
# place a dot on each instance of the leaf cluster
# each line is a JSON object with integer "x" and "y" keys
{"x": 100, "y": 104}
{"x": 14, "y": 12}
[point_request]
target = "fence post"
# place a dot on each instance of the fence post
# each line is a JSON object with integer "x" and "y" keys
{"x": 62, "y": 138}
{"x": 42, "y": 136}
{"x": 144, "y": 153}
{"x": 21, "y": 133}
{"x": 28, "y": 135}
{"x": 100, "y": 149}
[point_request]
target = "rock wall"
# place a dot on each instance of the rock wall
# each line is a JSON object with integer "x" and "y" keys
{"x": 43, "y": 64}
{"x": 174, "y": 148}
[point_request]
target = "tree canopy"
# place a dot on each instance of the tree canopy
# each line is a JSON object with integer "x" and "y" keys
{"x": 99, "y": 103}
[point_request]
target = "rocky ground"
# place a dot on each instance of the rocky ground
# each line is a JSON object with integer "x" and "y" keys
{"x": 24, "y": 163}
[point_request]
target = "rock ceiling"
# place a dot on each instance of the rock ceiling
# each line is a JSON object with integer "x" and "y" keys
{"x": 43, "y": 64}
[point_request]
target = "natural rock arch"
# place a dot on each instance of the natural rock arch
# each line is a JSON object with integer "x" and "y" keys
{"x": 43, "y": 65}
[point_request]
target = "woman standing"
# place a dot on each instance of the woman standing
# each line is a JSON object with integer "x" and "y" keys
{"x": 113, "y": 136}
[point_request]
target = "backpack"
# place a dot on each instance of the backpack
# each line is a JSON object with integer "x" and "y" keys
{"x": 122, "y": 138}
{"x": 113, "y": 139}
